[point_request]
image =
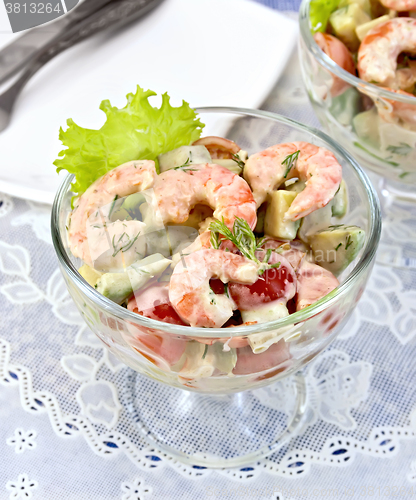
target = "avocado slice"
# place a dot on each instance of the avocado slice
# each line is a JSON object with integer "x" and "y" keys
{"x": 363, "y": 29}
{"x": 345, "y": 20}
{"x": 340, "y": 201}
{"x": 274, "y": 222}
{"x": 119, "y": 286}
{"x": 365, "y": 5}
{"x": 183, "y": 156}
{"x": 89, "y": 274}
{"x": 337, "y": 246}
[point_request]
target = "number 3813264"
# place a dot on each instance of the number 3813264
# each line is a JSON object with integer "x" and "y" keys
{"x": 32, "y": 8}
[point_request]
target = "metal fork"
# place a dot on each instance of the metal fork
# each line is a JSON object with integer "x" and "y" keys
{"x": 15, "y": 56}
{"x": 113, "y": 15}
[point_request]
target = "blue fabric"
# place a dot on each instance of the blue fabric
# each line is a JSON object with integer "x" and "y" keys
{"x": 281, "y": 4}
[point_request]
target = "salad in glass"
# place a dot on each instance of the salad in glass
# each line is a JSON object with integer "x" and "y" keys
{"x": 196, "y": 233}
{"x": 363, "y": 86}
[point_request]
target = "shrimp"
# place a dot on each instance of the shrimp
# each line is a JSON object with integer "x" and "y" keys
{"x": 318, "y": 167}
{"x": 391, "y": 111}
{"x": 406, "y": 77}
{"x": 189, "y": 290}
{"x": 378, "y": 52}
{"x": 314, "y": 282}
{"x": 399, "y": 5}
{"x": 338, "y": 52}
{"x": 218, "y": 147}
{"x": 293, "y": 251}
{"x": 176, "y": 192}
{"x": 93, "y": 207}
{"x": 154, "y": 303}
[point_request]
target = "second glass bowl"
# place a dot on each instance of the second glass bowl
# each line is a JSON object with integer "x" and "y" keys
{"x": 377, "y": 126}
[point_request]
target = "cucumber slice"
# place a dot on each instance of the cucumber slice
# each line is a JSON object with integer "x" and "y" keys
{"x": 183, "y": 156}
{"x": 235, "y": 165}
{"x": 340, "y": 201}
{"x": 296, "y": 187}
{"x": 337, "y": 246}
{"x": 231, "y": 165}
{"x": 398, "y": 142}
{"x": 316, "y": 221}
{"x": 345, "y": 106}
{"x": 131, "y": 204}
{"x": 366, "y": 126}
{"x": 119, "y": 286}
{"x": 115, "y": 286}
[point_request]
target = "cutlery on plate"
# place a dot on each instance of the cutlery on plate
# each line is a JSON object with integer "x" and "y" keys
{"x": 15, "y": 55}
{"x": 115, "y": 14}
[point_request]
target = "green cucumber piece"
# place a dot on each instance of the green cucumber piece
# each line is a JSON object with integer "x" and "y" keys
{"x": 345, "y": 106}
{"x": 366, "y": 126}
{"x": 340, "y": 201}
{"x": 119, "y": 286}
{"x": 183, "y": 156}
{"x": 337, "y": 246}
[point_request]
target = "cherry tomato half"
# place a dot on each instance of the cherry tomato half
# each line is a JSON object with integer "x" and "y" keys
{"x": 271, "y": 285}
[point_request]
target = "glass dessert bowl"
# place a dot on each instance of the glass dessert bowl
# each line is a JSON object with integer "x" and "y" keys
{"x": 376, "y": 124}
{"x": 210, "y": 414}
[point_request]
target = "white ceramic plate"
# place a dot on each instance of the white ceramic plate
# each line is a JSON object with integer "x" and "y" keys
{"x": 208, "y": 52}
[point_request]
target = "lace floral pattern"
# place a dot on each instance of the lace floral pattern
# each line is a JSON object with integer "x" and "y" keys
{"x": 22, "y": 440}
{"x": 22, "y": 488}
{"x": 135, "y": 490}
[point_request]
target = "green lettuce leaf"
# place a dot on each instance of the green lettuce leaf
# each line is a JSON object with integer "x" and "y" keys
{"x": 319, "y": 12}
{"x": 138, "y": 131}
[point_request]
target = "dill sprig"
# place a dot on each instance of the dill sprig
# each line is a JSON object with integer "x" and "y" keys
{"x": 349, "y": 242}
{"x": 113, "y": 203}
{"x": 186, "y": 166}
{"x": 238, "y": 160}
{"x": 124, "y": 246}
{"x": 290, "y": 161}
{"x": 241, "y": 236}
{"x": 215, "y": 241}
{"x": 183, "y": 164}
{"x": 402, "y": 150}
{"x": 244, "y": 239}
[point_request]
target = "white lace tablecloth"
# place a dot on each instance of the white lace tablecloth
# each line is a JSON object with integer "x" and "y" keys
{"x": 64, "y": 433}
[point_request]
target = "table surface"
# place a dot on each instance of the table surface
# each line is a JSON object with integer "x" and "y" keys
{"x": 359, "y": 440}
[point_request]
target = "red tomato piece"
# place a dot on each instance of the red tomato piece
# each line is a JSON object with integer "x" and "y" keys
{"x": 217, "y": 286}
{"x": 163, "y": 312}
{"x": 272, "y": 285}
